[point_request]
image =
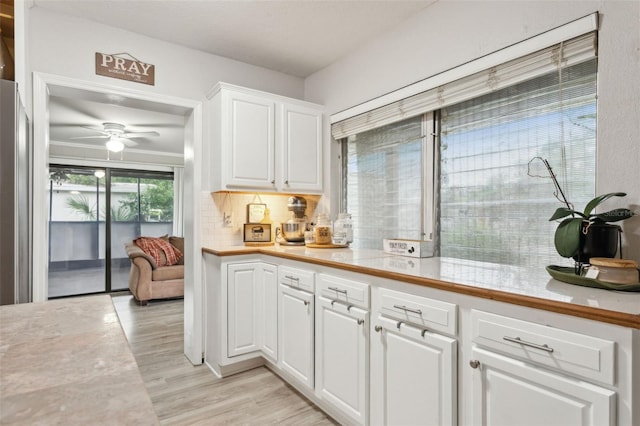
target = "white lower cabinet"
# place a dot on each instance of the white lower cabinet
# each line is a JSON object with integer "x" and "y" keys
{"x": 413, "y": 375}
{"x": 252, "y": 300}
{"x": 243, "y": 320}
{"x": 372, "y": 354}
{"x": 342, "y": 358}
{"x": 527, "y": 373}
{"x": 509, "y": 392}
{"x": 296, "y": 327}
{"x": 268, "y": 310}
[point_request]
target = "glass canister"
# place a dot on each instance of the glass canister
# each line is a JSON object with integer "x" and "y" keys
{"x": 344, "y": 225}
{"x": 323, "y": 229}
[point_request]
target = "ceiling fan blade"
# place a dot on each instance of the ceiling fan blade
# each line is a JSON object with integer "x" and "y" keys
{"x": 91, "y": 137}
{"x": 139, "y": 134}
{"x": 160, "y": 125}
{"x": 95, "y": 129}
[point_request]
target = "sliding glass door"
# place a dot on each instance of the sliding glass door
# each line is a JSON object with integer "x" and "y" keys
{"x": 141, "y": 204}
{"x": 86, "y": 236}
{"x": 76, "y": 231}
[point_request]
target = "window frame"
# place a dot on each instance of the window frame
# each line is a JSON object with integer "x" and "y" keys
{"x": 428, "y": 179}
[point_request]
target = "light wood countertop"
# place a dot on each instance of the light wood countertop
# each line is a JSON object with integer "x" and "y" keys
{"x": 531, "y": 287}
{"x": 67, "y": 361}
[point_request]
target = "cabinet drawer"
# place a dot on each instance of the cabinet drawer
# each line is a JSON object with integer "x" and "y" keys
{"x": 428, "y": 313}
{"x": 347, "y": 291}
{"x": 296, "y": 278}
{"x": 567, "y": 351}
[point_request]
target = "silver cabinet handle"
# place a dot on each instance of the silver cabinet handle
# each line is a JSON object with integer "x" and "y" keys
{"x": 518, "y": 340}
{"x": 292, "y": 278}
{"x": 404, "y": 308}
{"x": 338, "y": 290}
{"x": 306, "y": 303}
{"x": 378, "y": 328}
{"x": 348, "y": 305}
{"x": 360, "y": 321}
{"x": 273, "y": 182}
{"x": 286, "y": 182}
{"x": 474, "y": 363}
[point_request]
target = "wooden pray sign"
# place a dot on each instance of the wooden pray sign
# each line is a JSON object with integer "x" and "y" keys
{"x": 118, "y": 66}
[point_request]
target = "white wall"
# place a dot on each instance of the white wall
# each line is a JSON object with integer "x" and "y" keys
{"x": 450, "y": 33}
{"x": 65, "y": 45}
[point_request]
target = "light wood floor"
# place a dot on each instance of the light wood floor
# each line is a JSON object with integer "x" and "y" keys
{"x": 183, "y": 394}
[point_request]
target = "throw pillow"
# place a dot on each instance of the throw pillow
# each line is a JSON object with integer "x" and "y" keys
{"x": 178, "y": 242}
{"x": 164, "y": 253}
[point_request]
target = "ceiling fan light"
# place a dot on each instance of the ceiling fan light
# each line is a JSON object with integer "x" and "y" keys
{"x": 115, "y": 145}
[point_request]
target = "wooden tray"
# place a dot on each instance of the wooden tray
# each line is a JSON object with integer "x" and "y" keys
{"x": 567, "y": 275}
{"x": 314, "y": 245}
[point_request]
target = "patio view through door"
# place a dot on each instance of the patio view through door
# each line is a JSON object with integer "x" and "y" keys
{"x": 86, "y": 239}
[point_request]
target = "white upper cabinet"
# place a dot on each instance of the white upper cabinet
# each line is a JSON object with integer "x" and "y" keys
{"x": 302, "y": 144}
{"x": 260, "y": 141}
{"x": 249, "y": 129}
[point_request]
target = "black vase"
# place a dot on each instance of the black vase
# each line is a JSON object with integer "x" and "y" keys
{"x": 600, "y": 240}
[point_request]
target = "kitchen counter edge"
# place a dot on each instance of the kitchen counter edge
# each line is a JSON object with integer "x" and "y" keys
{"x": 582, "y": 311}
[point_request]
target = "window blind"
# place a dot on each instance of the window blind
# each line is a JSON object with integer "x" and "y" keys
{"x": 490, "y": 208}
{"x": 384, "y": 184}
{"x": 565, "y": 54}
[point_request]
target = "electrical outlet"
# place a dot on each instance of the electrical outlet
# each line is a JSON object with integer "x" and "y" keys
{"x": 226, "y": 220}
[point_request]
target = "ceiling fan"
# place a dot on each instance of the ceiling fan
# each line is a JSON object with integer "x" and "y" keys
{"x": 116, "y": 136}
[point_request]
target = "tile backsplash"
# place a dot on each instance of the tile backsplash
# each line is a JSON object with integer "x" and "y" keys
{"x": 217, "y": 206}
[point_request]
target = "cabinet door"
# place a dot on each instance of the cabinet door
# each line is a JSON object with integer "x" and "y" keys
{"x": 302, "y": 144}
{"x": 296, "y": 310}
{"x": 413, "y": 376}
{"x": 342, "y": 358}
{"x": 242, "y": 310}
{"x": 268, "y": 287}
{"x": 508, "y": 392}
{"x": 250, "y": 142}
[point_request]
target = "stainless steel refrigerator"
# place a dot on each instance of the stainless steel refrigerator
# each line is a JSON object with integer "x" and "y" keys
{"x": 15, "y": 198}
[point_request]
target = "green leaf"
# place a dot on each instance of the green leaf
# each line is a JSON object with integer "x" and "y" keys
{"x": 567, "y": 237}
{"x": 593, "y": 203}
{"x": 614, "y": 215}
{"x": 563, "y": 212}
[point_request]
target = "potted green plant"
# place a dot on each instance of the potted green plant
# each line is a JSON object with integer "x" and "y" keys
{"x": 586, "y": 234}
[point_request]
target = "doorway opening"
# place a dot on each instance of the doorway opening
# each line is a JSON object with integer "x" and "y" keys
{"x": 93, "y": 212}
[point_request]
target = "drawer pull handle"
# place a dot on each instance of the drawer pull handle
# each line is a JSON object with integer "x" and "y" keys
{"x": 360, "y": 321}
{"x": 422, "y": 331}
{"x": 306, "y": 303}
{"x": 474, "y": 363}
{"x": 544, "y": 347}
{"x": 404, "y": 308}
{"x": 338, "y": 290}
{"x": 292, "y": 278}
{"x": 378, "y": 328}
{"x": 348, "y": 305}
